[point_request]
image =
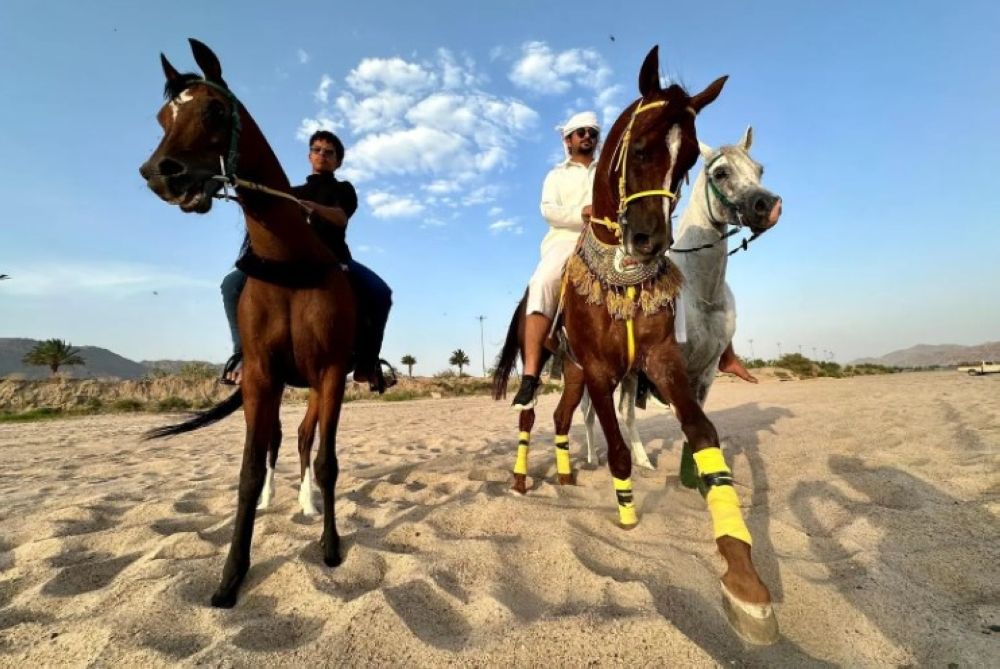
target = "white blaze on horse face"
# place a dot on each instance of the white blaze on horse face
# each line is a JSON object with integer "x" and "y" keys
{"x": 175, "y": 104}
{"x": 673, "y": 150}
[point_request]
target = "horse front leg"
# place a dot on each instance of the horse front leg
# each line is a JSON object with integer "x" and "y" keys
{"x": 746, "y": 599}
{"x": 563, "y": 417}
{"x": 601, "y": 390}
{"x": 261, "y": 404}
{"x": 331, "y": 398}
{"x": 525, "y": 421}
{"x": 307, "y": 434}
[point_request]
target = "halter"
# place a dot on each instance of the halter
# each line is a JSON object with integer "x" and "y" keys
{"x": 228, "y": 164}
{"x": 623, "y": 197}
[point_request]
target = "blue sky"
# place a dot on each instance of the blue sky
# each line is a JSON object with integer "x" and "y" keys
{"x": 877, "y": 123}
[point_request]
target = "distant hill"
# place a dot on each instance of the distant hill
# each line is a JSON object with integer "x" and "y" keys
{"x": 101, "y": 363}
{"x": 925, "y": 355}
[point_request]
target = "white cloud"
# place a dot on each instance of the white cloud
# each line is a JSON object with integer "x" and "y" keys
{"x": 552, "y": 73}
{"x": 387, "y": 205}
{"x": 495, "y": 211}
{"x": 323, "y": 90}
{"x": 310, "y": 125}
{"x": 375, "y": 74}
{"x": 442, "y": 186}
{"x": 303, "y": 56}
{"x": 114, "y": 279}
{"x": 506, "y": 225}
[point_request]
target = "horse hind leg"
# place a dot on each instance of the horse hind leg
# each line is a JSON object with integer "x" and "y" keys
{"x": 525, "y": 421}
{"x": 563, "y": 418}
{"x": 307, "y": 434}
{"x": 267, "y": 492}
{"x": 331, "y": 399}
{"x": 626, "y": 406}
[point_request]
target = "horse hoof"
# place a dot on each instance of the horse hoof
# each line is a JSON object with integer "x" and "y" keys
{"x": 224, "y": 599}
{"x": 627, "y": 527}
{"x": 332, "y": 560}
{"x": 754, "y": 623}
{"x": 520, "y": 484}
{"x": 567, "y": 479}
{"x": 310, "y": 512}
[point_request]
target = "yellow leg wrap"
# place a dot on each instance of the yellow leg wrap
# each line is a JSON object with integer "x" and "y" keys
{"x": 626, "y": 506}
{"x": 521, "y": 464}
{"x": 723, "y": 503}
{"x": 562, "y": 454}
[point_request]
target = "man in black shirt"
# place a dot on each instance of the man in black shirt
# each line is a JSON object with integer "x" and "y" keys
{"x": 332, "y": 202}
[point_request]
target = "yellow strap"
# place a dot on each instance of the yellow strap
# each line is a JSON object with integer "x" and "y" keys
{"x": 723, "y": 502}
{"x": 562, "y": 439}
{"x": 524, "y": 436}
{"x": 710, "y": 461}
{"x": 630, "y": 329}
{"x": 650, "y": 193}
{"x": 727, "y": 520}
{"x": 626, "y": 505}
{"x": 521, "y": 464}
{"x": 652, "y": 105}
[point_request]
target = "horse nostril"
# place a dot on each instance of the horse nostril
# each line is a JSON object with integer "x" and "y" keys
{"x": 760, "y": 206}
{"x": 640, "y": 240}
{"x": 169, "y": 167}
{"x": 144, "y": 171}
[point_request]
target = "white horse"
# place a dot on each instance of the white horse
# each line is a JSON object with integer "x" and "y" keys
{"x": 726, "y": 193}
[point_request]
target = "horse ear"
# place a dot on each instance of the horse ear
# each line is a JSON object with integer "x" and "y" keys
{"x": 707, "y": 96}
{"x": 168, "y": 70}
{"x": 706, "y": 151}
{"x": 649, "y": 75}
{"x": 207, "y": 61}
{"x": 747, "y": 139}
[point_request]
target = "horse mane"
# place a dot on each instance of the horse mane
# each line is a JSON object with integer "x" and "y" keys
{"x": 180, "y": 83}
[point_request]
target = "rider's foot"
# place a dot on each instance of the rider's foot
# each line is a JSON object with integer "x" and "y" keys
{"x": 730, "y": 364}
{"x": 232, "y": 371}
{"x": 525, "y": 398}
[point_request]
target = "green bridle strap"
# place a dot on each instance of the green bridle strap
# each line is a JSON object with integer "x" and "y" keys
{"x": 710, "y": 185}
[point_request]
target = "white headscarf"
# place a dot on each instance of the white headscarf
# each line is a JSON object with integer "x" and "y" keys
{"x": 587, "y": 119}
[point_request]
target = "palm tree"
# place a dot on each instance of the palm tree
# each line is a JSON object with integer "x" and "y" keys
{"x": 53, "y": 353}
{"x": 409, "y": 361}
{"x": 459, "y": 359}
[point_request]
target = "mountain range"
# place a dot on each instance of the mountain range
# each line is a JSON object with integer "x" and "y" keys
{"x": 100, "y": 363}
{"x": 946, "y": 355}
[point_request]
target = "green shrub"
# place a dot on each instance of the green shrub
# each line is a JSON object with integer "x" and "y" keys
{"x": 127, "y": 405}
{"x": 196, "y": 371}
{"x": 173, "y": 404}
{"x": 40, "y": 413}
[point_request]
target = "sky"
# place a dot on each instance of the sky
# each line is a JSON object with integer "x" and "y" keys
{"x": 877, "y": 123}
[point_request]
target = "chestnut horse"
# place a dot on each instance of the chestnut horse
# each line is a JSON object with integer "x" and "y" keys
{"x": 618, "y": 299}
{"x": 297, "y": 312}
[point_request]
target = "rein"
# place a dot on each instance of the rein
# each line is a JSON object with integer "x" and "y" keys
{"x": 739, "y": 225}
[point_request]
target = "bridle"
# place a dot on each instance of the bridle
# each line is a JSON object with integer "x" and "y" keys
{"x": 624, "y": 198}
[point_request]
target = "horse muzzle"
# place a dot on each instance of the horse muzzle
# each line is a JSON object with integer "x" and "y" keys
{"x": 191, "y": 190}
{"x": 762, "y": 212}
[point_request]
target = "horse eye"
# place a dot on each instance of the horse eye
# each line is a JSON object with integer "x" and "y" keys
{"x": 720, "y": 174}
{"x": 215, "y": 110}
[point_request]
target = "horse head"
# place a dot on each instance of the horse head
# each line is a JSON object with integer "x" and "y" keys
{"x": 653, "y": 145}
{"x": 733, "y": 191}
{"x": 201, "y": 121}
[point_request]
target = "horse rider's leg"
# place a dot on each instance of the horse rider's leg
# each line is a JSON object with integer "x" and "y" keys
{"x": 331, "y": 398}
{"x": 746, "y": 598}
{"x": 261, "y": 400}
{"x": 267, "y": 492}
{"x": 601, "y": 390}
{"x": 563, "y": 417}
{"x": 626, "y": 406}
{"x": 307, "y": 433}
{"x": 525, "y": 421}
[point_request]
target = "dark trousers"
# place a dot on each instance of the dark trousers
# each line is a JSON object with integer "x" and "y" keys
{"x": 374, "y": 302}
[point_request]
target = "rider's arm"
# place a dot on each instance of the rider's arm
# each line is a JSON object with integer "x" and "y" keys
{"x": 557, "y": 214}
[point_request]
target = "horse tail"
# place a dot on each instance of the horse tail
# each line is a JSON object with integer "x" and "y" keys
{"x": 508, "y": 355}
{"x": 200, "y": 418}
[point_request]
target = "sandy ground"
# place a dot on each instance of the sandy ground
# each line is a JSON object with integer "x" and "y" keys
{"x": 873, "y": 502}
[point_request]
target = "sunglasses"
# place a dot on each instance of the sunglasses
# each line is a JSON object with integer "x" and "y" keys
{"x": 584, "y": 132}
{"x": 326, "y": 153}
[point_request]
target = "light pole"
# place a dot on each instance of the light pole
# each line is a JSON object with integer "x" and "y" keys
{"x": 482, "y": 343}
{"x": 751, "y": 349}
{"x": 779, "y": 350}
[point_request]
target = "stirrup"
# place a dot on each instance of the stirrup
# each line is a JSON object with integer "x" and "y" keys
{"x": 234, "y": 361}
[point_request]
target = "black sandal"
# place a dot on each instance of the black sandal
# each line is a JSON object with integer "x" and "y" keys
{"x": 230, "y": 367}
{"x": 382, "y": 383}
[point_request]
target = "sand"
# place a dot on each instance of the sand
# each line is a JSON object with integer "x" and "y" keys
{"x": 873, "y": 502}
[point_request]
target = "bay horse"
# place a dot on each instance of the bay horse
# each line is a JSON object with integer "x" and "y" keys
{"x": 727, "y": 196}
{"x": 618, "y": 297}
{"x": 297, "y": 313}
